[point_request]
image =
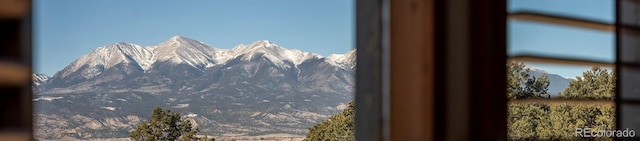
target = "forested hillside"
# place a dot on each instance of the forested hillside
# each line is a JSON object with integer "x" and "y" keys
{"x": 338, "y": 127}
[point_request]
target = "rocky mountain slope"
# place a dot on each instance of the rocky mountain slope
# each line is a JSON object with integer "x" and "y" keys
{"x": 255, "y": 89}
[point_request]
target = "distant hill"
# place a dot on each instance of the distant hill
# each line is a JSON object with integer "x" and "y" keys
{"x": 557, "y": 83}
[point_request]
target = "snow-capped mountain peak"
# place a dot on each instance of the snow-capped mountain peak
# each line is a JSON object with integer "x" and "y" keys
{"x": 263, "y": 43}
{"x": 177, "y": 42}
{"x": 272, "y": 52}
{"x": 258, "y": 45}
{"x": 185, "y": 41}
{"x": 109, "y": 56}
{"x": 347, "y": 60}
{"x": 178, "y": 37}
{"x": 180, "y": 49}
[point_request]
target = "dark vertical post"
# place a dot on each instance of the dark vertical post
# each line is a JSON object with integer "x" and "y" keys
{"x": 627, "y": 69}
{"x": 488, "y": 107}
{"x": 440, "y": 57}
{"x": 369, "y": 87}
{"x": 617, "y": 63}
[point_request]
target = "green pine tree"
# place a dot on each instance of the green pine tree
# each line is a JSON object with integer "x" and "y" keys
{"x": 597, "y": 83}
{"x": 166, "y": 126}
{"x": 521, "y": 85}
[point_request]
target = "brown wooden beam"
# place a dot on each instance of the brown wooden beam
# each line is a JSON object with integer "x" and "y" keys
{"x": 488, "y": 48}
{"x": 562, "y": 20}
{"x": 557, "y": 60}
{"x": 564, "y": 101}
{"x": 14, "y": 9}
{"x": 412, "y": 70}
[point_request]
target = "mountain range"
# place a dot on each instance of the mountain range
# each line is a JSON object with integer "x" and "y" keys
{"x": 254, "y": 89}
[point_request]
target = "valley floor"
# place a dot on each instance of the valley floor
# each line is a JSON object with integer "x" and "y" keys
{"x": 269, "y": 137}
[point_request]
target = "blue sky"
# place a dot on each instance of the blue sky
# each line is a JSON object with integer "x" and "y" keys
{"x": 563, "y": 41}
{"x": 68, "y": 29}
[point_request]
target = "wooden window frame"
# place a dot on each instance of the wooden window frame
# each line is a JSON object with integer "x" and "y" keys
{"x": 16, "y": 124}
{"x": 618, "y": 28}
{"x": 437, "y": 41}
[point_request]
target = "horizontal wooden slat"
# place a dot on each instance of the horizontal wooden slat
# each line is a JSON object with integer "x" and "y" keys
{"x": 561, "y": 20}
{"x": 15, "y": 136}
{"x": 558, "y": 60}
{"x": 14, "y": 74}
{"x": 629, "y": 101}
{"x": 13, "y": 9}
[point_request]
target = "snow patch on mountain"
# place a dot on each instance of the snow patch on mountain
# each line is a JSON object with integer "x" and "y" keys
{"x": 298, "y": 56}
{"x": 47, "y": 98}
{"x": 109, "y": 108}
{"x": 39, "y": 79}
{"x": 347, "y": 60}
{"x": 532, "y": 68}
